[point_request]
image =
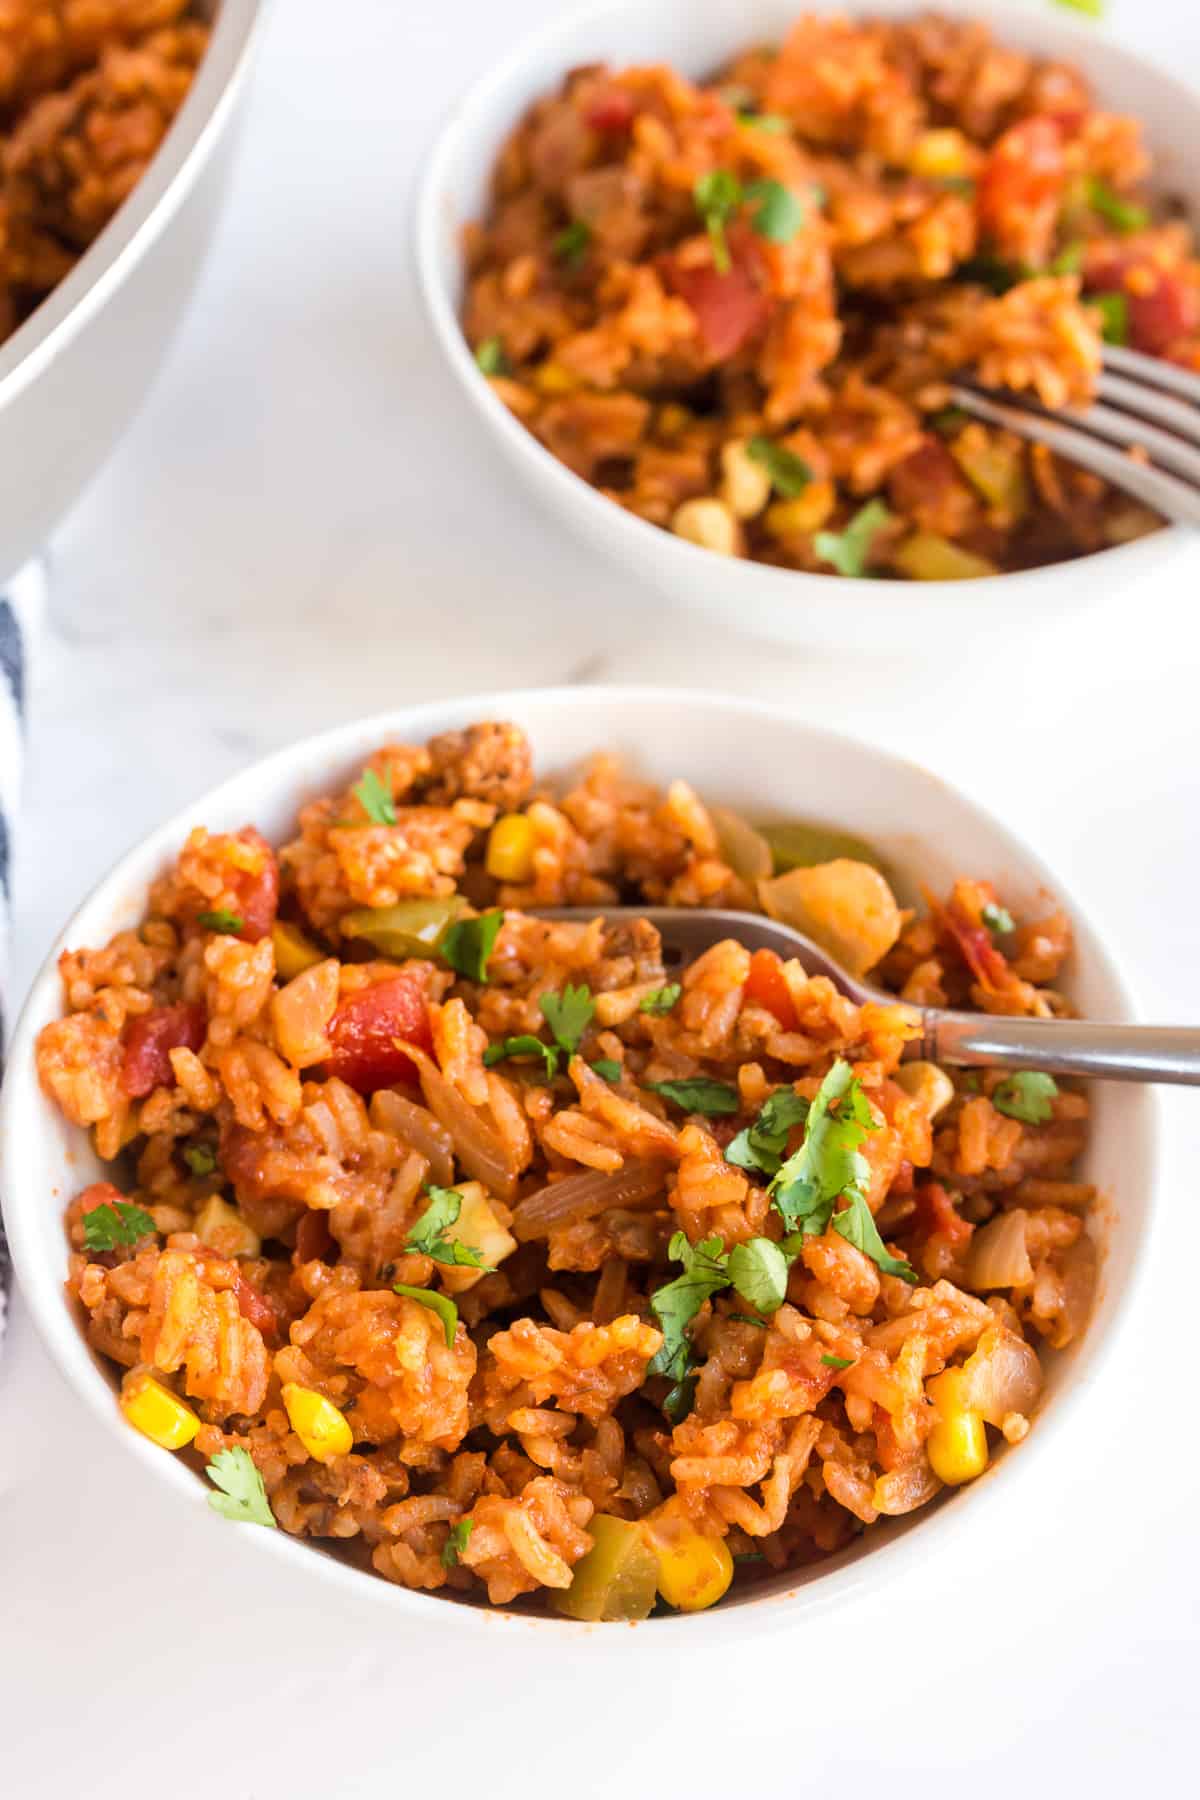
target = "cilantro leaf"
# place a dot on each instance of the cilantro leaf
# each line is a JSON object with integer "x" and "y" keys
{"x": 829, "y": 1160}
{"x": 661, "y": 1000}
{"x": 375, "y": 798}
{"x": 857, "y": 1226}
{"x": 1114, "y": 316}
{"x": 705, "y": 1273}
{"x": 568, "y": 1015}
{"x": 746, "y": 1319}
{"x": 697, "y": 1093}
{"x": 1093, "y": 8}
{"x": 772, "y": 122}
{"x": 441, "y": 1304}
{"x": 491, "y": 358}
{"x": 427, "y": 1236}
{"x": 777, "y": 213}
{"x": 716, "y": 195}
{"x": 467, "y": 944}
{"x": 456, "y": 1542}
{"x": 948, "y": 421}
{"x": 998, "y": 919}
{"x": 525, "y": 1045}
{"x": 758, "y": 1270}
{"x": 1026, "y": 1096}
{"x": 790, "y": 474}
{"x": 221, "y": 920}
{"x": 607, "y": 1068}
{"x": 571, "y": 243}
{"x": 1069, "y": 260}
{"x": 679, "y": 1400}
{"x": 761, "y": 1145}
{"x": 850, "y": 551}
{"x": 201, "y": 1159}
{"x": 243, "y": 1496}
{"x": 838, "y": 1362}
{"x": 105, "y": 1226}
{"x": 1121, "y": 213}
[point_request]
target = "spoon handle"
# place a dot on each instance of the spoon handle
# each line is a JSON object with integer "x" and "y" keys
{"x": 1064, "y": 1046}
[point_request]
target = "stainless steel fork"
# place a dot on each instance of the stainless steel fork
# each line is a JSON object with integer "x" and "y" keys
{"x": 1145, "y": 405}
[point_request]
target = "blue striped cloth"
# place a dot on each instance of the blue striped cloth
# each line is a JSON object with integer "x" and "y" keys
{"x": 22, "y": 601}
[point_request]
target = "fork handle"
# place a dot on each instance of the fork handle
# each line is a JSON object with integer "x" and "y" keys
{"x": 1169, "y": 1053}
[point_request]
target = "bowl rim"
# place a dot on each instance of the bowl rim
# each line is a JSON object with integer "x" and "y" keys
{"x": 830, "y": 1584}
{"x": 1116, "y": 563}
{"x": 170, "y": 175}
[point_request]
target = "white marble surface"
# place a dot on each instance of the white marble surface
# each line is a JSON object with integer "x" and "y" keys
{"x": 303, "y": 526}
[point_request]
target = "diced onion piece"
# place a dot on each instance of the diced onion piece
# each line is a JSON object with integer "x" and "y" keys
{"x": 478, "y": 1227}
{"x": 1002, "y": 1376}
{"x": 578, "y": 1197}
{"x": 846, "y": 907}
{"x": 745, "y": 850}
{"x": 930, "y": 1086}
{"x": 903, "y": 1490}
{"x": 1079, "y": 1291}
{"x": 999, "y": 1257}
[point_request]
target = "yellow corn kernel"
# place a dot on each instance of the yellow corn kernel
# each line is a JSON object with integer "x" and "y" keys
{"x": 807, "y": 512}
{"x": 708, "y": 523}
{"x": 316, "y": 1421}
{"x": 156, "y": 1412}
{"x": 957, "y": 1446}
{"x": 510, "y": 848}
{"x": 293, "y": 951}
{"x": 693, "y": 1571}
{"x": 937, "y": 154}
{"x": 224, "y": 1230}
{"x": 552, "y": 378}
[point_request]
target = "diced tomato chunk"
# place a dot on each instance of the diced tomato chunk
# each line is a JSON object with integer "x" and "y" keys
{"x": 257, "y": 893}
{"x": 1162, "y": 306}
{"x": 974, "y": 944}
{"x": 255, "y": 1308}
{"x": 364, "y": 1029}
{"x": 314, "y": 1239}
{"x": 766, "y": 985}
{"x": 610, "y": 110}
{"x": 937, "y": 1216}
{"x": 730, "y": 308}
{"x": 1021, "y": 181}
{"x": 101, "y": 1193}
{"x": 152, "y": 1036}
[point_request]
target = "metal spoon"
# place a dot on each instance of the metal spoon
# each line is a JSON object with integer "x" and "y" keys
{"x": 972, "y": 1040}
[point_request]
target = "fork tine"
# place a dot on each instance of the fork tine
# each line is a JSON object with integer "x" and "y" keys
{"x": 1165, "y": 493}
{"x": 1150, "y": 403}
{"x": 1119, "y": 428}
{"x": 1153, "y": 371}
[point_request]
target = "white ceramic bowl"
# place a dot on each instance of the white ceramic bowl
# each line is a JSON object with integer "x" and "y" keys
{"x": 697, "y": 36}
{"x": 74, "y": 373}
{"x": 925, "y": 830}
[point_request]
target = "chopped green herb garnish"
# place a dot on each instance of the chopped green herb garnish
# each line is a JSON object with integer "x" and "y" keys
{"x": 491, "y": 359}
{"x": 607, "y": 1068}
{"x": 776, "y": 213}
{"x": 990, "y": 272}
{"x": 243, "y": 1496}
{"x": 1121, "y": 213}
{"x": 106, "y": 1226}
{"x": 949, "y": 420}
{"x": 1114, "y": 316}
{"x": 525, "y": 1045}
{"x": 858, "y": 1227}
{"x": 849, "y": 551}
{"x": 838, "y": 1362}
{"x": 571, "y": 243}
{"x": 745, "y": 1319}
{"x": 375, "y": 798}
{"x": 1026, "y": 1096}
{"x": 772, "y": 122}
{"x": 761, "y": 1145}
{"x": 441, "y": 1304}
{"x": 829, "y": 1162}
{"x": 998, "y": 919}
{"x": 661, "y": 1000}
{"x": 677, "y": 1404}
{"x": 696, "y": 1093}
{"x": 1093, "y": 8}
{"x": 468, "y": 943}
{"x": 456, "y": 1542}
{"x": 789, "y": 473}
{"x": 1069, "y": 260}
{"x": 705, "y": 1273}
{"x": 758, "y": 1270}
{"x": 717, "y": 194}
{"x": 956, "y": 184}
{"x": 568, "y": 1015}
{"x": 201, "y": 1159}
{"x": 221, "y": 920}
{"x": 427, "y": 1236}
